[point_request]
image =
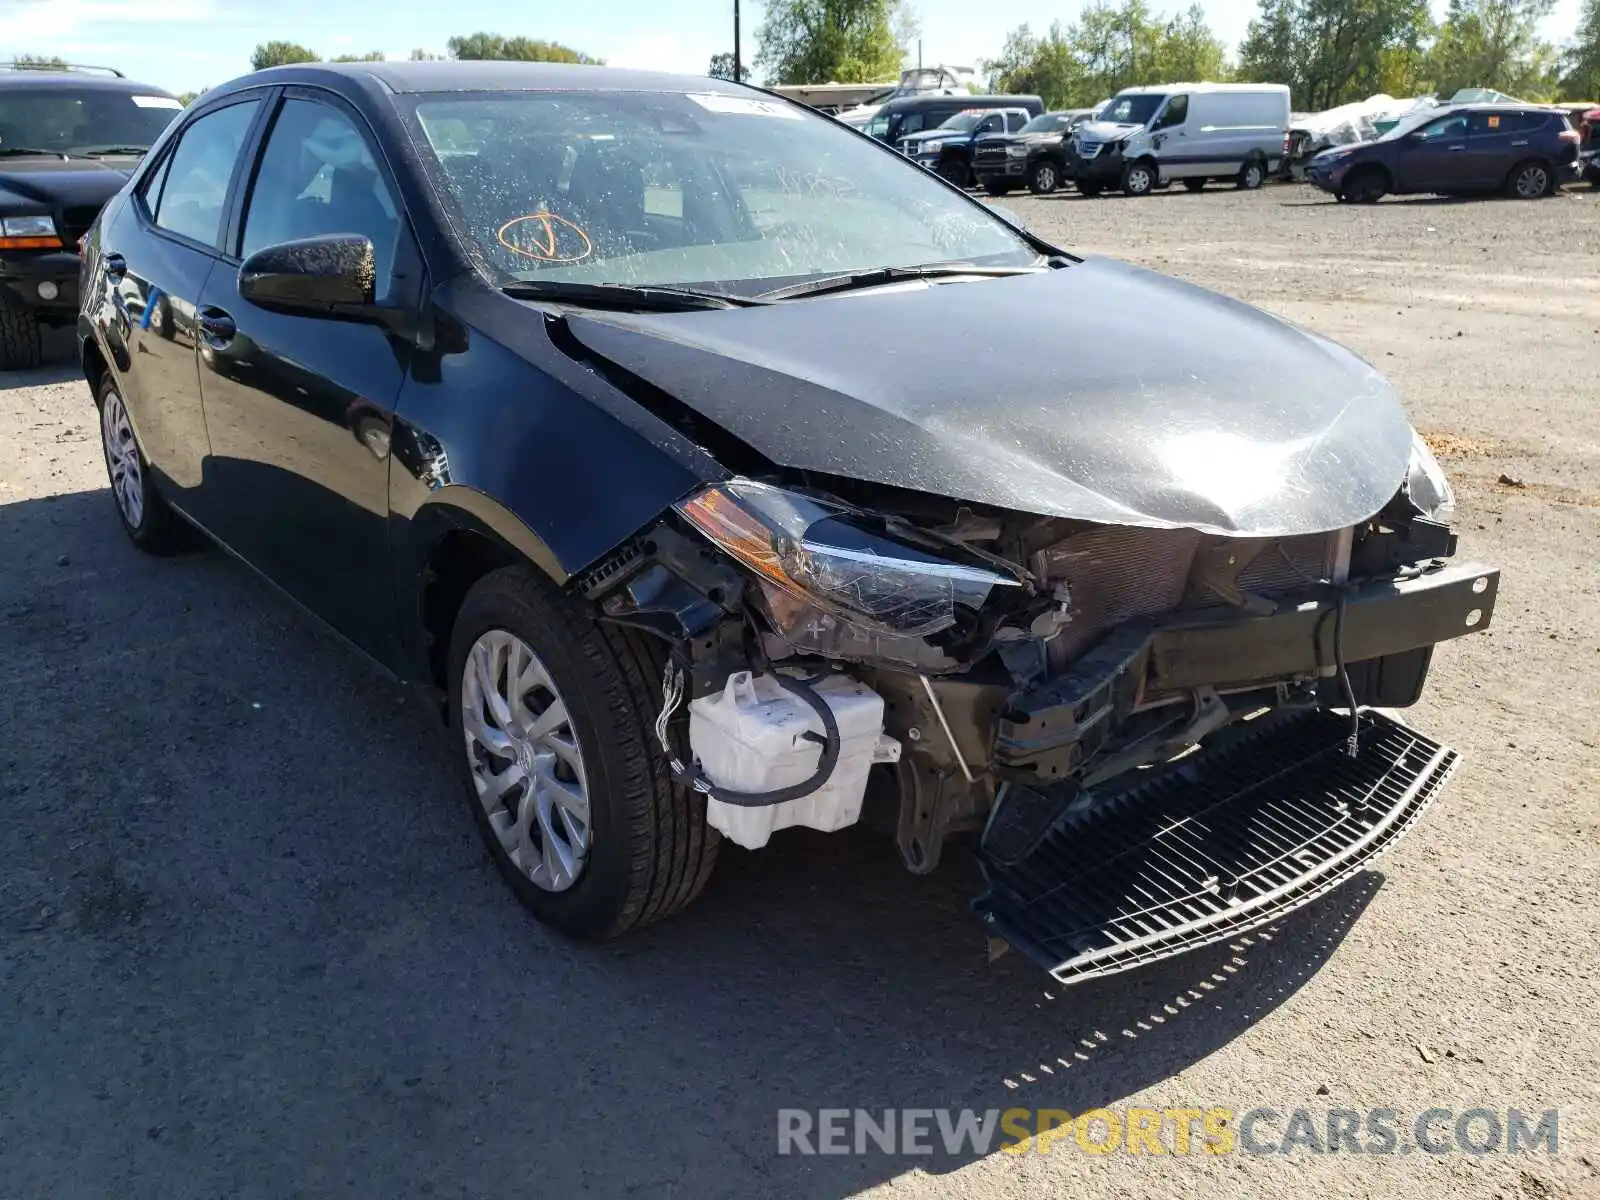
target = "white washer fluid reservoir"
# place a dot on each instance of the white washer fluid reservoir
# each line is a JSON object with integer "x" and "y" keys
{"x": 750, "y": 737}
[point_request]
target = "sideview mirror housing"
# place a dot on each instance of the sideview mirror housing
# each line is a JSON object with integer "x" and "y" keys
{"x": 326, "y": 275}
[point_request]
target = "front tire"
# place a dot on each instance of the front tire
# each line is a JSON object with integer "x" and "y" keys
{"x": 1044, "y": 177}
{"x": 149, "y": 521}
{"x": 1139, "y": 178}
{"x": 1366, "y": 186}
{"x": 552, "y": 716}
{"x": 20, "y": 347}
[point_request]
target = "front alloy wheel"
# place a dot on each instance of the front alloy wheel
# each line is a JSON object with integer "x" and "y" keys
{"x": 1138, "y": 179}
{"x": 1044, "y": 178}
{"x": 527, "y": 768}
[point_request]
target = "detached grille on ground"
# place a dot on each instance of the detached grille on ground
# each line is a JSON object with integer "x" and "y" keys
{"x": 1226, "y": 840}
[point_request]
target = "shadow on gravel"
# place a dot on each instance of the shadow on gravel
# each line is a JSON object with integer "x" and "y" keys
{"x": 252, "y": 946}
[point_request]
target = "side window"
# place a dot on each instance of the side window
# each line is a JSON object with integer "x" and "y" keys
{"x": 318, "y": 176}
{"x": 194, "y": 187}
{"x": 989, "y": 125}
{"x": 1177, "y": 112}
{"x": 1015, "y": 121}
{"x": 1450, "y": 127}
{"x": 150, "y": 189}
{"x": 910, "y": 123}
{"x": 1481, "y": 124}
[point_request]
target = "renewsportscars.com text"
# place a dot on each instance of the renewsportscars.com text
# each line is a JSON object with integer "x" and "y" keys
{"x": 1214, "y": 1130}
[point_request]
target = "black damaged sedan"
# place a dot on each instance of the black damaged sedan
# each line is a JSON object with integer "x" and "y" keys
{"x": 602, "y": 404}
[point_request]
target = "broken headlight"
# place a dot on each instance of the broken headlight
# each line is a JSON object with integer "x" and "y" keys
{"x": 823, "y": 556}
{"x": 1426, "y": 486}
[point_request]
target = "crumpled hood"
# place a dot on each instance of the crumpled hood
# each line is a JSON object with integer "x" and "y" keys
{"x": 1099, "y": 391}
{"x": 1105, "y": 131}
{"x": 59, "y": 184}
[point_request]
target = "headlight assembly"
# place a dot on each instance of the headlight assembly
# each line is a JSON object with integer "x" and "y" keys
{"x": 808, "y": 551}
{"x": 1426, "y": 485}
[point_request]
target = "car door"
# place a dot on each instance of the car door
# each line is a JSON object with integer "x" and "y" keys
{"x": 1490, "y": 147}
{"x": 1171, "y": 140}
{"x": 300, "y": 408}
{"x": 156, "y": 256}
{"x": 1434, "y": 158}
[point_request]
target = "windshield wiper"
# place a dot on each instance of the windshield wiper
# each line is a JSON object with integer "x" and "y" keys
{"x": 115, "y": 151}
{"x": 882, "y": 275}
{"x": 651, "y": 297}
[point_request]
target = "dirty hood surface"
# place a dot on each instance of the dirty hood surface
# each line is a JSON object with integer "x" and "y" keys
{"x": 1098, "y": 391}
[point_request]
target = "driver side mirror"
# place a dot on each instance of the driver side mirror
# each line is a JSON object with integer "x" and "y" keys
{"x": 315, "y": 276}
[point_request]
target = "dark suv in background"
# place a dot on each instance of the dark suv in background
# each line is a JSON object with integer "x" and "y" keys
{"x": 1034, "y": 155}
{"x": 948, "y": 150}
{"x": 1524, "y": 150}
{"x": 68, "y": 140}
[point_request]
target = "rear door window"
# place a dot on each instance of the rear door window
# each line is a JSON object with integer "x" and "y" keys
{"x": 195, "y": 194}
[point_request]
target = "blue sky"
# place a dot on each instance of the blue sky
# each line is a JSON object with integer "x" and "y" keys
{"x": 187, "y": 44}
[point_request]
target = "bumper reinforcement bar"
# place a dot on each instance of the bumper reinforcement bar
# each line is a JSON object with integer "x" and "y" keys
{"x": 1230, "y": 838}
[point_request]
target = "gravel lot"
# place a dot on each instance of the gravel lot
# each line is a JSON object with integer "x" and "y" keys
{"x": 250, "y": 946}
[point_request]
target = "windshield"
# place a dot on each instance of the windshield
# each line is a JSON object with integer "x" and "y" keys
{"x": 962, "y": 122}
{"x": 1049, "y": 123}
{"x": 1412, "y": 122}
{"x": 1131, "y": 110}
{"x": 67, "y": 120}
{"x": 705, "y": 190}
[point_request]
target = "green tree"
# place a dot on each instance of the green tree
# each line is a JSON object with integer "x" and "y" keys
{"x": 722, "y": 66}
{"x": 39, "y": 62}
{"x": 833, "y": 41}
{"x": 277, "y": 54}
{"x": 1331, "y": 52}
{"x": 369, "y": 56}
{"x": 1105, "y": 50}
{"x": 188, "y": 98}
{"x": 421, "y": 55}
{"x": 1494, "y": 44}
{"x": 494, "y": 46}
{"x": 1580, "y": 64}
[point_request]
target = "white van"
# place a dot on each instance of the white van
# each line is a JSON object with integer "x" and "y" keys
{"x": 1147, "y": 137}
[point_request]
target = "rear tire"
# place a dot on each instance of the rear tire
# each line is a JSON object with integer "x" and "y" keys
{"x": 149, "y": 521}
{"x": 1194, "y": 185}
{"x": 1531, "y": 180}
{"x": 1252, "y": 175}
{"x": 648, "y": 849}
{"x": 1044, "y": 177}
{"x": 20, "y": 348}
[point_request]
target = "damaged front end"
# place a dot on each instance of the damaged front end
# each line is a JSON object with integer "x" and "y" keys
{"x": 1155, "y": 737}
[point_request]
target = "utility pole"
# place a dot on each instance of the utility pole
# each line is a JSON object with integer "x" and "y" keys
{"x": 738, "y": 68}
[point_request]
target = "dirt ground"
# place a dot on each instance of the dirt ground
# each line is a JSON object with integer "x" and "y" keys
{"x": 249, "y": 945}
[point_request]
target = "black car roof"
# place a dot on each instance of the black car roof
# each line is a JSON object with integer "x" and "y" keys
{"x": 77, "y": 81}
{"x": 478, "y": 76}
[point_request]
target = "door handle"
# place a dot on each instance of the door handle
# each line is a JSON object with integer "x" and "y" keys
{"x": 116, "y": 266}
{"x": 1522, "y": 142}
{"x": 1456, "y": 149}
{"x": 216, "y": 327}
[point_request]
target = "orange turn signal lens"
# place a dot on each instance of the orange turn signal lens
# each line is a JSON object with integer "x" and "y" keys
{"x": 29, "y": 243}
{"x": 726, "y": 522}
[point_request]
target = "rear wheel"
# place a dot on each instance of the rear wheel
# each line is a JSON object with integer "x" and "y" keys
{"x": 1194, "y": 185}
{"x": 1044, "y": 177}
{"x": 552, "y": 714}
{"x": 1252, "y": 175}
{"x": 147, "y": 519}
{"x": 1139, "y": 178}
{"x": 1531, "y": 180}
{"x": 1366, "y": 186}
{"x": 19, "y": 336}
